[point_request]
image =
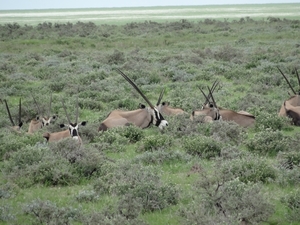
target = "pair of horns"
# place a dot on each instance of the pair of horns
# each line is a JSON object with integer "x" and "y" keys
{"x": 37, "y": 105}
{"x": 136, "y": 88}
{"x": 8, "y": 111}
{"x": 288, "y": 80}
{"x": 67, "y": 115}
{"x": 160, "y": 97}
{"x": 209, "y": 96}
{"x": 213, "y": 87}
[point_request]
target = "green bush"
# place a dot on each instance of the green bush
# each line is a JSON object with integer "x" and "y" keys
{"x": 133, "y": 133}
{"x": 155, "y": 143}
{"x": 249, "y": 168}
{"x": 267, "y": 142}
{"x": 46, "y": 212}
{"x": 292, "y": 201}
{"x": 226, "y": 202}
{"x": 139, "y": 183}
{"x": 6, "y": 213}
{"x": 206, "y": 147}
{"x": 268, "y": 121}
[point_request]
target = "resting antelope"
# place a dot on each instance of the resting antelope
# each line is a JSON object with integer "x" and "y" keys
{"x": 293, "y": 100}
{"x": 14, "y": 127}
{"x": 209, "y": 112}
{"x": 72, "y": 129}
{"x": 39, "y": 122}
{"x": 165, "y": 109}
{"x": 242, "y": 118}
{"x": 142, "y": 117}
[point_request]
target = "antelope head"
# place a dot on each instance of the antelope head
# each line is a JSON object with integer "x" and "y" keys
{"x": 41, "y": 121}
{"x": 73, "y": 127}
{"x": 20, "y": 123}
{"x": 157, "y": 119}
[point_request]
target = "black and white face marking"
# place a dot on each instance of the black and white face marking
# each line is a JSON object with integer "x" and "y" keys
{"x": 73, "y": 128}
{"x": 158, "y": 119}
{"x": 46, "y": 121}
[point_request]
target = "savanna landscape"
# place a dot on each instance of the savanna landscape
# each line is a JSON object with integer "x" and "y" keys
{"x": 191, "y": 172}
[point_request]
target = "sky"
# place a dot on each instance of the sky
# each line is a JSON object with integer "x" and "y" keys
{"x": 56, "y": 4}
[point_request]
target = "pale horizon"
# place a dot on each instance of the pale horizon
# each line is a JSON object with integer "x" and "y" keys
{"x": 75, "y": 4}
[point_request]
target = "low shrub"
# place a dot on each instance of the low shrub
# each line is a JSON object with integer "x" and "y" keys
{"x": 87, "y": 196}
{"x": 206, "y": 147}
{"x": 46, "y": 212}
{"x": 155, "y": 143}
{"x": 226, "y": 202}
{"x": 140, "y": 184}
{"x": 249, "y": 168}
{"x": 268, "y": 121}
{"x": 292, "y": 201}
{"x": 6, "y": 213}
{"x": 160, "y": 157}
{"x": 133, "y": 133}
{"x": 267, "y": 142}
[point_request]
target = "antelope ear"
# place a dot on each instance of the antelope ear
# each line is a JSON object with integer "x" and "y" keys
{"x": 62, "y": 125}
{"x": 20, "y": 124}
{"x": 142, "y": 106}
{"x": 37, "y": 117}
{"x": 164, "y": 103}
{"x": 83, "y": 123}
{"x": 54, "y": 117}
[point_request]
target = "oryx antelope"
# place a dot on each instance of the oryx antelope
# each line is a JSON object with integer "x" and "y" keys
{"x": 208, "y": 113}
{"x": 142, "y": 117}
{"x": 165, "y": 109}
{"x": 40, "y": 121}
{"x": 293, "y": 100}
{"x": 20, "y": 123}
{"x": 72, "y": 128}
{"x": 292, "y": 112}
{"x": 242, "y": 118}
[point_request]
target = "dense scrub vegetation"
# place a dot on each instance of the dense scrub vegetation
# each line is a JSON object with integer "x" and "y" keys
{"x": 190, "y": 173}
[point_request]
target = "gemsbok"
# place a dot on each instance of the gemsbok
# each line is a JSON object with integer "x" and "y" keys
{"x": 40, "y": 121}
{"x": 142, "y": 117}
{"x": 293, "y": 112}
{"x": 14, "y": 127}
{"x": 209, "y": 111}
{"x": 242, "y": 118}
{"x": 165, "y": 108}
{"x": 72, "y": 130}
{"x": 294, "y": 100}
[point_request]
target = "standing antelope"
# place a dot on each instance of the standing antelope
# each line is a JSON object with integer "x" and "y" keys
{"x": 14, "y": 126}
{"x": 39, "y": 122}
{"x": 293, "y": 100}
{"x": 72, "y": 128}
{"x": 165, "y": 109}
{"x": 142, "y": 117}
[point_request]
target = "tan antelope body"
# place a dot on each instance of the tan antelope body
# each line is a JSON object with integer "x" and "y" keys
{"x": 14, "y": 127}
{"x": 40, "y": 121}
{"x": 293, "y": 100}
{"x": 142, "y": 117}
{"x": 165, "y": 108}
{"x": 292, "y": 112}
{"x": 243, "y": 119}
{"x": 71, "y": 132}
{"x": 210, "y": 113}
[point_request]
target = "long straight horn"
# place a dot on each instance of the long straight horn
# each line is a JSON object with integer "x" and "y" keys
{"x": 76, "y": 110}
{"x": 212, "y": 97}
{"x": 50, "y": 104}
{"x": 9, "y": 115}
{"x": 135, "y": 87}
{"x": 160, "y": 96}
{"x": 207, "y": 100}
{"x": 38, "y": 108}
{"x": 20, "y": 111}
{"x": 66, "y": 111}
{"x": 286, "y": 80}
{"x": 213, "y": 87}
{"x": 297, "y": 76}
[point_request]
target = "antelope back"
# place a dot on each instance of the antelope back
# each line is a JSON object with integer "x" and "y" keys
{"x": 165, "y": 109}
{"x": 243, "y": 119}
